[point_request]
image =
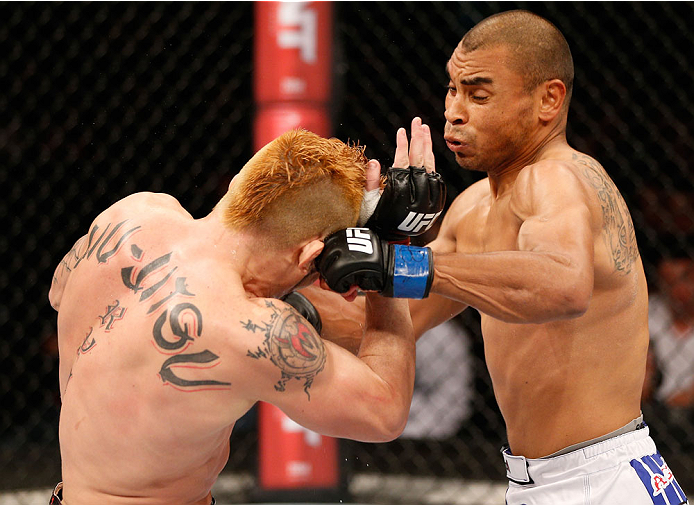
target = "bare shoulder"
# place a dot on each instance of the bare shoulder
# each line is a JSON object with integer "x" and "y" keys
{"x": 145, "y": 201}
{"x": 465, "y": 203}
{"x": 576, "y": 179}
{"x": 461, "y": 208}
{"x": 571, "y": 167}
{"x": 548, "y": 172}
{"x": 551, "y": 183}
{"x": 574, "y": 174}
{"x": 470, "y": 197}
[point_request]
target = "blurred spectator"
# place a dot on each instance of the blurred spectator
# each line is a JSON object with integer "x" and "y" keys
{"x": 670, "y": 374}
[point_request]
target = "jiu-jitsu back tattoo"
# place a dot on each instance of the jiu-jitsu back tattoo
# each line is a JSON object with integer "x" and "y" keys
{"x": 172, "y": 309}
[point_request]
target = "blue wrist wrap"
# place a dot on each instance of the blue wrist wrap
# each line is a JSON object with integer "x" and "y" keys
{"x": 413, "y": 271}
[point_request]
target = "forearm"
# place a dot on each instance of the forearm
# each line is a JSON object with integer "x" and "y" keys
{"x": 514, "y": 286}
{"x": 343, "y": 321}
{"x": 432, "y": 311}
{"x": 388, "y": 348}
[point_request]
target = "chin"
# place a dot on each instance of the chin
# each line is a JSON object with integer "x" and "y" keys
{"x": 469, "y": 164}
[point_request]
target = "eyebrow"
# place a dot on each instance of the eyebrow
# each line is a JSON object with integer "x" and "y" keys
{"x": 476, "y": 81}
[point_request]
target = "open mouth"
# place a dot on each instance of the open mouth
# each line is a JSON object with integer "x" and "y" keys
{"x": 455, "y": 145}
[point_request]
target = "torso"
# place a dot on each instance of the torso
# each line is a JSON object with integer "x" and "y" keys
{"x": 136, "y": 361}
{"x": 563, "y": 382}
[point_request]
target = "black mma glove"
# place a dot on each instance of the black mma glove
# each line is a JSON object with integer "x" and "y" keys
{"x": 411, "y": 201}
{"x": 358, "y": 257}
{"x": 304, "y": 307}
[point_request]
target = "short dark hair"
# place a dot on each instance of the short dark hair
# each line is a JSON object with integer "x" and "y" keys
{"x": 540, "y": 51}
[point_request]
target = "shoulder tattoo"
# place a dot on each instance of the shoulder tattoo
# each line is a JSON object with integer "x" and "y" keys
{"x": 618, "y": 227}
{"x": 291, "y": 345}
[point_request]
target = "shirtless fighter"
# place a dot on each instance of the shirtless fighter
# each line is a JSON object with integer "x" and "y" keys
{"x": 544, "y": 249}
{"x": 170, "y": 329}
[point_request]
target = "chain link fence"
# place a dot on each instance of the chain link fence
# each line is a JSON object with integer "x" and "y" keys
{"x": 100, "y": 100}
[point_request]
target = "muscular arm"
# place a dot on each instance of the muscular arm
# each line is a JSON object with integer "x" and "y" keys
{"x": 343, "y": 322}
{"x": 364, "y": 397}
{"x": 550, "y": 276}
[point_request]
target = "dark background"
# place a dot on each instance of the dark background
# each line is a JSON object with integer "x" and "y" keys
{"x": 100, "y": 100}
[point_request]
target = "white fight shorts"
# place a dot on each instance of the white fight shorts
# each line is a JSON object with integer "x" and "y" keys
{"x": 623, "y": 470}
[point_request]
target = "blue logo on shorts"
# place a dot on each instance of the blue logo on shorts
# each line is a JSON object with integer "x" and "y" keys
{"x": 659, "y": 481}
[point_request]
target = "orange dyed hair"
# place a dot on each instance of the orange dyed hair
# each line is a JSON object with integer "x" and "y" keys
{"x": 298, "y": 186}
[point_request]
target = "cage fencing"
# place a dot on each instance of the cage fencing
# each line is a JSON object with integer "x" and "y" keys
{"x": 100, "y": 100}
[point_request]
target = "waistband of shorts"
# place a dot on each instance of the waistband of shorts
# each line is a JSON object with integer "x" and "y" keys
{"x": 522, "y": 470}
{"x": 633, "y": 425}
{"x": 57, "y": 496}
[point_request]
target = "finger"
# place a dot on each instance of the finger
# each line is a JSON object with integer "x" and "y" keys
{"x": 429, "y": 161}
{"x": 416, "y": 156}
{"x": 373, "y": 175}
{"x": 401, "y": 158}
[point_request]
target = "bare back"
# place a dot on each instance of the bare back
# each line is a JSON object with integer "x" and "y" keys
{"x": 163, "y": 346}
{"x": 567, "y": 379}
{"x": 134, "y": 369}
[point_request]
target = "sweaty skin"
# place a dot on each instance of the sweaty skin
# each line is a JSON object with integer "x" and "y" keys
{"x": 544, "y": 248}
{"x": 169, "y": 332}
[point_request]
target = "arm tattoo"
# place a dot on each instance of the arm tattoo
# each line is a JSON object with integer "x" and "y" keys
{"x": 291, "y": 345}
{"x": 618, "y": 228}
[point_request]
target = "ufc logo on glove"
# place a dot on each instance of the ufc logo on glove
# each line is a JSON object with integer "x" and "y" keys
{"x": 414, "y": 222}
{"x": 359, "y": 240}
{"x": 359, "y": 257}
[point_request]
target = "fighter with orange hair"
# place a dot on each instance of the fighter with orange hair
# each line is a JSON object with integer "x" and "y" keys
{"x": 170, "y": 329}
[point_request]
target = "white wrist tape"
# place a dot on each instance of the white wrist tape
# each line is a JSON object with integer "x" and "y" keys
{"x": 368, "y": 205}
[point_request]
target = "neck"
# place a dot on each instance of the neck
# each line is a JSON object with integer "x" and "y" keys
{"x": 501, "y": 178}
{"x": 256, "y": 265}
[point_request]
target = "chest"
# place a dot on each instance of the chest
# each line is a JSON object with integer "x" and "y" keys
{"x": 488, "y": 227}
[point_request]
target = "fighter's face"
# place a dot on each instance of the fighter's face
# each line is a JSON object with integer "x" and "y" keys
{"x": 489, "y": 114}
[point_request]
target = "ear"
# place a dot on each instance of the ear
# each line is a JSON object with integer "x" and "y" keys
{"x": 552, "y": 95}
{"x": 308, "y": 253}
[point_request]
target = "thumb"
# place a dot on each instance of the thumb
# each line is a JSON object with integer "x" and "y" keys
{"x": 373, "y": 175}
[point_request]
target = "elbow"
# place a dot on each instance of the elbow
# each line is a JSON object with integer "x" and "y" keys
{"x": 394, "y": 427}
{"x": 390, "y": 421}
{"x": 574, "y": 300}
{"x": 387, "y": 430}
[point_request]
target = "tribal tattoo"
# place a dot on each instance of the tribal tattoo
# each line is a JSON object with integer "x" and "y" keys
{"x": 620, "y": 238}
{"x": 291, "y": 345}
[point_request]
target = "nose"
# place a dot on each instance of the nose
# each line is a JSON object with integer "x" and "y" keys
{"x": 456, "y": 113}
